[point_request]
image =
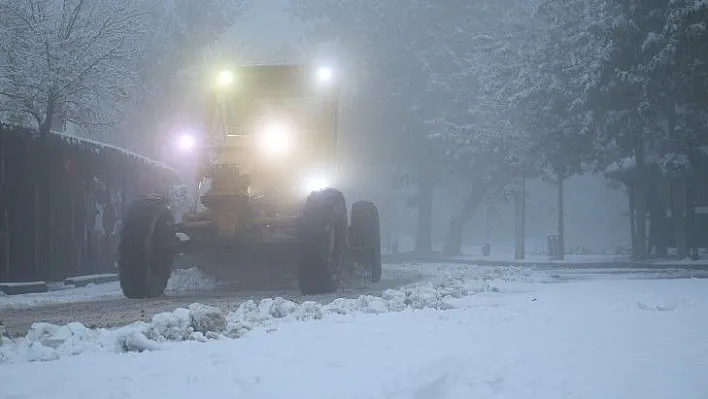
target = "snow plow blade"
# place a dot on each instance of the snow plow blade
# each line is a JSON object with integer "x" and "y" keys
{"x": 253, "y": 265}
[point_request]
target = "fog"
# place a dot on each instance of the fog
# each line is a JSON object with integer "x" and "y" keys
{"x": 446, "y": 110}
{"x": 596, "y": 209}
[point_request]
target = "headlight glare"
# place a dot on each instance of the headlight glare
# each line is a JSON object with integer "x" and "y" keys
{"x": 225, "y": 78}
{"x": 276, "y": 139}
{"x": 324, "y": 75}
{"x": 186, "y": 142}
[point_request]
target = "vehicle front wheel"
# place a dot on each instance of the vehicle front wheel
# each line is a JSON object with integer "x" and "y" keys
{"x": 147, "y": 247}
{"x": 322, "y": 236}
{"x": 366, "y": 237}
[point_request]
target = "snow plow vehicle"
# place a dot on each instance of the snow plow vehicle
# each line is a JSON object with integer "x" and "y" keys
{"x": 264, "y": 207}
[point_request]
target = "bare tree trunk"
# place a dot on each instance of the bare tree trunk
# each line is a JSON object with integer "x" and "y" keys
{"x": 387, "y": 227}
{"x": 632, "y": 219}
{"x": 561, "y": 222}
{"x": 424, "y": 235}
{"x": 691, "y": 220}
{"x": 518, "y": 227}
{"x": 453, "y": 241}
{"x": 658, "y": 228}
{"x": 640, "y": 200}
{"x": 678, "y": 216}
{"x": 523, "y": 218}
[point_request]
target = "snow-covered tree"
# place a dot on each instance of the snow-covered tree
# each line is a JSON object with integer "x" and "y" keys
{"x": 478, "y": 61}
{"x": 66, "y": 58}
{"x": 571, "y": 48}
{"x": 551, "y": 98}
{"x": 389, "y": 83}
{"x": 181, "y": 41}
{"x": 652, "y": 92}
{"x": 679, "y": 72}
{"x": 433, "y": 75}
{"x": 113, "y": 68}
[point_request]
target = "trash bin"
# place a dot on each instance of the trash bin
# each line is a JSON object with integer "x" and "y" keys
{"x": 553, "y": 246}
{"x": 486, "y": 249}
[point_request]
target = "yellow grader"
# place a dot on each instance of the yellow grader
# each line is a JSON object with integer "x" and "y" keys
{"x": 264, "y": 208}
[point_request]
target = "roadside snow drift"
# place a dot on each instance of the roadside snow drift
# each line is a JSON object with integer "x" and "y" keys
{"x": 199, "y": 322}
{"x": 587, "y": 339}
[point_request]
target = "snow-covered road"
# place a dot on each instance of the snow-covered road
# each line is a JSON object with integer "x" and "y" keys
{"x": 103, "y": 305}
{"x": 478, "y": 332}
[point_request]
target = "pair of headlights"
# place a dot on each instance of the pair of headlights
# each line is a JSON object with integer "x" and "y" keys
{"x": 275, "y": 139}
{"x": 226, "y": 78}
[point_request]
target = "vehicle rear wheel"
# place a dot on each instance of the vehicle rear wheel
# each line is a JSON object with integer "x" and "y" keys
{"x": 366, "y": 236}
{"x": 146, "y": 248}
{"x": 322, "y": 236}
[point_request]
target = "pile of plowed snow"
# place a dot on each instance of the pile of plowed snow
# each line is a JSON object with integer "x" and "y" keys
{"x": 192, "y": 279}
{"x": 199, "y": 322}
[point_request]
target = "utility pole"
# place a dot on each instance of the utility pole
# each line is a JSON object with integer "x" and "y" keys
{"x": 523, "y": 218}
{"x": 487, "y": 239}
{"x": 487, "y": 223}
{"x": 561, "y": 233}
{"x": 520, "y": 214}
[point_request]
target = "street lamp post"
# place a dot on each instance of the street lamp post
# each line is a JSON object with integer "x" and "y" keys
{"x": 520, "y": 221}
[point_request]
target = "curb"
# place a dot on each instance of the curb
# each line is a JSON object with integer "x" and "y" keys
{"x": 620, "y": 264}
{"x": 30, "y": 287}
{"x": 82, "y": 281}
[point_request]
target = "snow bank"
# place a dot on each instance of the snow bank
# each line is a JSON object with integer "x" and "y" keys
{"x": 199, "y": 322}
{"x": 629, "y": 339}
{"x": 65, "y": 294}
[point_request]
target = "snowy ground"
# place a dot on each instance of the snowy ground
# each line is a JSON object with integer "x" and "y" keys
{"x": 103, "y": 305}
{"x": 477, "y": 332}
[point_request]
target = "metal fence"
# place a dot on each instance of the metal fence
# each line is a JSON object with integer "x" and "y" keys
{"x": 90, "y": 187}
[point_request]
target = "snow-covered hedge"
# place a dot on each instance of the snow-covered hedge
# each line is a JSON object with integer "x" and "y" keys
{"x": 97, "y": 147}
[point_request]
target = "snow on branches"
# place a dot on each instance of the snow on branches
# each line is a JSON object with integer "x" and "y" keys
{"x": 66, "y": 57}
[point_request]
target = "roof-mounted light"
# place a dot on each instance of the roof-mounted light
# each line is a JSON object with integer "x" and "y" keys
{"x": 324, "y": 75}
{"x": 225, "y": 78}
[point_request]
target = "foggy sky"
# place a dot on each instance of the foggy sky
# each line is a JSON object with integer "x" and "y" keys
{"x": 266, "y": 26}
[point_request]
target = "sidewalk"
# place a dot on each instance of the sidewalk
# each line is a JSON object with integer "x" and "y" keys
{"x": 33, "y": 287}
{"x": 82, "y": 281}
{"x": 28, "y": 287}
{"x": 540, "y": 261}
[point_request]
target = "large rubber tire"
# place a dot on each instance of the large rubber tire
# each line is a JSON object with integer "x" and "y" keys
{"x": 322, "y": 234}
{"x": 147, "y": 247}
{"x": 366, "y": 233}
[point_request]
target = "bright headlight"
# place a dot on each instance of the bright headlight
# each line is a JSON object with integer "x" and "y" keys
{"x": 276, "y": 139}
{"x": 324, "y": 75}
{"x": 186, "y": 142}
{"x": 225, "y": 78}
